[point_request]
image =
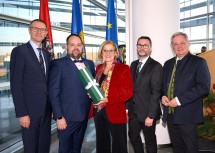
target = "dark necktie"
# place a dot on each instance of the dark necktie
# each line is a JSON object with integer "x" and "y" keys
{"x": 138, "y": 68}
{"x": 41, "y": 60}
{"x": 78, "y": 61}
{"x": 170, "y": 92}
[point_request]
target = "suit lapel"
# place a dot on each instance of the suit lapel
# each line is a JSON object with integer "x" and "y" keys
{"x": 46, "y": 59}
{"x": 71, "y": 63}
{"x": 142, "y": 71}
{"x": 32, "y": 54}
{"x": 34, "y": 57}
{"x": 145, "y": 67}
{"x": 170, "y": 70}
{"x": 86, "y": 64}
{"x": 134, "y": 70}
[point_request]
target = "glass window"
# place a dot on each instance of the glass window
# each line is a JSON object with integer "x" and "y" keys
{"x": 14, "y": 32}
{"x": 196, "y": 21}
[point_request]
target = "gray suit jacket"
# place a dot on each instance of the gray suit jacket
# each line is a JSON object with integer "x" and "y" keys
{"x": 147, "y": 89}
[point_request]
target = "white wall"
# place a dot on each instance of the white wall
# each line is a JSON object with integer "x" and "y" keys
{"x": 156, "y": 19}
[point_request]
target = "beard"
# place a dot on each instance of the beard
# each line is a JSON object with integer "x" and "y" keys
{"x": 144, "y": 54}
{"x": 75, "y": 55}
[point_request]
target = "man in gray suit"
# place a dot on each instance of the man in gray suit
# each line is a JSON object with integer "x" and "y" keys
{"x": 144, "y": 108}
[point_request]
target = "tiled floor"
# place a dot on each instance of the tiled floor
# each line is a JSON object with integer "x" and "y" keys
{"x": 89, "y": 142}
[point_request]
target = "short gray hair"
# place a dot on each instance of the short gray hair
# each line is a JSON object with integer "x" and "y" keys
{"x": 181, "y": 34}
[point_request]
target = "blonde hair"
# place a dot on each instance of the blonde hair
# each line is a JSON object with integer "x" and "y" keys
{"x": 105, "y": 43}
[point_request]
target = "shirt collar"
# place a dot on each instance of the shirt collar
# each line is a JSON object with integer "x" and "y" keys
{"x": 34, "y": 45}
{"x": 144, "y": 60}
{"x": 74, "y": 59}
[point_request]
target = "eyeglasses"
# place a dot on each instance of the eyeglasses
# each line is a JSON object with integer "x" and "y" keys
{"x": 35, "y": 29}
{"x": 143, "y": 45}
{"x": 108, "y": 51}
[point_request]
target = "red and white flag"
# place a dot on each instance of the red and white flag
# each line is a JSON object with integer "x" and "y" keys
{"x": 44, "y": 15}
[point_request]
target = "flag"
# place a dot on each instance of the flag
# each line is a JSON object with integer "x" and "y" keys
{"x": 44, "y": 15}
{"x": 77, "y": 27}
{"x": 111, "y": 27}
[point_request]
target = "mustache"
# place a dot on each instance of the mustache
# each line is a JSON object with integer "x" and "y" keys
{"x": 77, "y": 50}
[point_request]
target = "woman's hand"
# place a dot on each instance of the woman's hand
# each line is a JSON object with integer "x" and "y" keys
{"x": 102, "y": 101}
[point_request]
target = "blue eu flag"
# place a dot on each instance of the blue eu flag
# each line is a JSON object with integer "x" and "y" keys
{"x": 111, "y": 27}
{"x": 77, "y": 27}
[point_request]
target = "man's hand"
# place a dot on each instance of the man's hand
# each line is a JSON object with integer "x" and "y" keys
{"x": 148, "y": 121}
{"x": 24, "y": 121}
{"x": 61, "y": 124}
{"x": 165, "y": 101}
{"x": 173, "y": 103}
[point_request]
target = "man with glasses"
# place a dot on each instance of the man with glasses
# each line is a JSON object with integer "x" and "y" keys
{"x": 29, "y": 66}
{"x": 69, "y": 99}
{"x": 144, "y": 108}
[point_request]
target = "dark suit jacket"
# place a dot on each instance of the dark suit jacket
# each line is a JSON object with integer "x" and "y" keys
{"x": 28, "y": 84}
{"x": 68, "y": 96}
{"x": 120, "y": 90}
{"x": 147, "y": 89}
{"x": 192, "y": 82}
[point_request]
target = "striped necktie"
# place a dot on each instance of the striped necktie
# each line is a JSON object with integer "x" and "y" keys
{"x": 41, "y": 61}
{"x": 138, "y": 68}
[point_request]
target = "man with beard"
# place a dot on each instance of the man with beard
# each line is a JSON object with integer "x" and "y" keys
{"x": 144, "y": 108}
{"x": 69, "y": 99}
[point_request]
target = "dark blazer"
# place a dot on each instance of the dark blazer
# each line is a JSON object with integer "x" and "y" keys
{"x": 28, "y": 84}
{"x": 147, "y": 89}
{"x": 68, "y": 96}
{"x": 192, "y": 82}
{"x": 120, "y": 90}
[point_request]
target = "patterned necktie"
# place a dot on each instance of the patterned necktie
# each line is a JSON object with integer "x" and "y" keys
{"x": 41, "y": 61}
{"x": 138, "y": 68}
{"x": 170, "y": 91}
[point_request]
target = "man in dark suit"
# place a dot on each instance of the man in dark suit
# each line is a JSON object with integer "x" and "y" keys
{"x": 29, "y": 68}
{"x": 69, "y": 99}
{"x": 144, "y": 109}
{"x": 186, "y": 81}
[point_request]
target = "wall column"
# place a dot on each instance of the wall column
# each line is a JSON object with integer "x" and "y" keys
{"x": 158, "y": 20}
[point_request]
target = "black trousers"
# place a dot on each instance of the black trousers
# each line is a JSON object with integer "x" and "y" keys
{"x": 183, "y": 136}
{"x": 135, "y": 127}
{"x": 37, "y": 137}
{"x": 110, "y": 138}
{"x": 71, "y": 139}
